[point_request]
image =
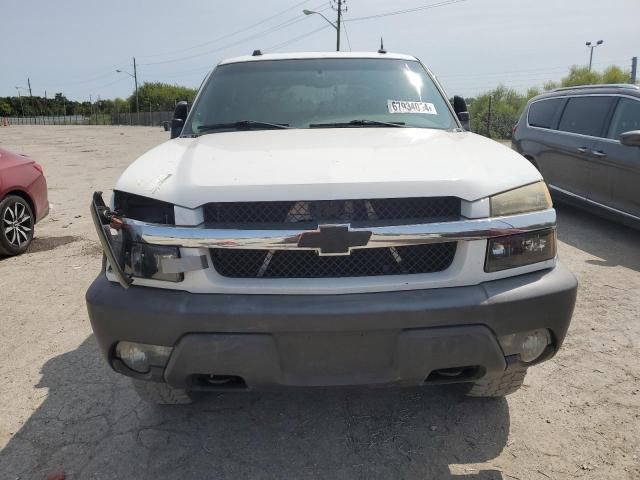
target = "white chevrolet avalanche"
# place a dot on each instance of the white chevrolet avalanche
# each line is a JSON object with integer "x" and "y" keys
{"x": 324, "y": 219}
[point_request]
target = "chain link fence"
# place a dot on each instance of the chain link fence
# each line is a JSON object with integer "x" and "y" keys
{"x": 497, "y": 124}
{"x": 149, "y": 119}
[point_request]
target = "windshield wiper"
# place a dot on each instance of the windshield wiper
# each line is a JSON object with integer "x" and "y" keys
{"x": 241, "y": 125}
{"x": 358, "y": 123}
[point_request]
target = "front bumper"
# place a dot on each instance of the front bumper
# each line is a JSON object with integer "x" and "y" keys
{"x": 396, "y": 338}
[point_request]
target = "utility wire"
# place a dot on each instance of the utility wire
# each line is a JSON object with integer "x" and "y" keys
{"x": 275, "y": 28}
{"x": 223, "y": 37}
{"x": 346, "y": 33}
{"x": 269, "y": 30}
{"x": 407, "y": 10}
{"x": 121, "y": 79}
{"x": 295, "y": 39}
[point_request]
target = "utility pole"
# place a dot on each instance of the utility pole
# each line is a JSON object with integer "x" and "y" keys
{"x": 489, "y": 116}
{"x": 634, "y": 70}
{"x": 33, "y": 110}
{"x": 341, "y": 7}
{"x": 135, "y": 79}
{"x": 339, "y": 21}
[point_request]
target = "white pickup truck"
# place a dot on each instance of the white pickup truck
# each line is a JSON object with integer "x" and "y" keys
{"x": 324, "y": 219}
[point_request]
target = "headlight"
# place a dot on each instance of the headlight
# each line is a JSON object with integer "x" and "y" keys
{"x": 520, "y": 200}
{"x": 520, "y": 250}
{"x": 144, "y": 209}
{"x": 145, "y": 261}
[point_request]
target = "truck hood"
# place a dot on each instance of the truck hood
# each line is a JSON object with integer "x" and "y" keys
{"x": 327, "y": 164}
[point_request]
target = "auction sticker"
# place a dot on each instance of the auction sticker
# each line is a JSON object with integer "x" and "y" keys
{"x": 400, "y": 106}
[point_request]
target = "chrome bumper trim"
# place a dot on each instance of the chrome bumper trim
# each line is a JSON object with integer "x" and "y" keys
{"x": 388, "y": 236}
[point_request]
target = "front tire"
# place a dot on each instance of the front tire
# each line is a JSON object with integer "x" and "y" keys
{"x": 509, "y": 382}
{"x": 158, "y": 393}
{"x": 16, "y": 225}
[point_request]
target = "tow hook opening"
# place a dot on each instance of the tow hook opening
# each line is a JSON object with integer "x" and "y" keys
{"x": 219, "y": 382}
{"x": 455, "y": 375}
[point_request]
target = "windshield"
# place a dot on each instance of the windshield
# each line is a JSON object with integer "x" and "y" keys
{"x": 319, "y": 93}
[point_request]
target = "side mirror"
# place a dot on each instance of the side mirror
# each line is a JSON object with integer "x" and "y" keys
{"x": 460, "y": 107}
{"x": 631, "y": 139}
{"x": 179, "y": 117}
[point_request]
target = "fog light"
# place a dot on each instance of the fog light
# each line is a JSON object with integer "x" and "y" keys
{"x": 533, "y": 345}
{"x": 530, "y": 345}
{"x": 141, "y": 357}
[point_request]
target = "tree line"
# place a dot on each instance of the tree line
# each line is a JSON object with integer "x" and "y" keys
{"x": 507, "y": 104}
{"x": 156, "y": 96}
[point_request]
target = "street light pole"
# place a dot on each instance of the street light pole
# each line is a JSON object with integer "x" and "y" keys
{"x": 135, "y": 80}
{"x": 335, "y": 26}
{"x": 591, "y": 47}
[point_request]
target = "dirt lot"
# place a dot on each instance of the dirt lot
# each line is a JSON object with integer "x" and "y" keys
{"x": 63, "y": 410}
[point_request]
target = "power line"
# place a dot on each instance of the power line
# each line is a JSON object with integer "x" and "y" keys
{"x": 407, "y": 10}
{"x": 295, "y": 39}
{"x": 346, "y": 33}
{"x": 92, "y": 79}
{"x": 267, "y": 31}
{"x": 120, "y": 79}
{"x": 242, "y": 30}
{"x": 275, "y": 28}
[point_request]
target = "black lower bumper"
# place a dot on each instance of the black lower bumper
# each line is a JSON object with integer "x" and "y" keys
{"x": 370, "y": 338}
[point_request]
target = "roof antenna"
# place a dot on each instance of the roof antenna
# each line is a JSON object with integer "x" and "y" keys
{"x": 256, "y": 53}
{"x": 382, "y": 50}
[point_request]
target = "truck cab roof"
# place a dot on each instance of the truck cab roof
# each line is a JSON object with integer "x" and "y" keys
{"x": 312, "y": 55}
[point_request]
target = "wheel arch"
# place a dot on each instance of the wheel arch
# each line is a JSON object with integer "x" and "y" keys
{"x": 25, "y": 196}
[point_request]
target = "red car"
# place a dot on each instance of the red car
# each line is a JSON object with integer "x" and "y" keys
{"x": 23, "y": 201}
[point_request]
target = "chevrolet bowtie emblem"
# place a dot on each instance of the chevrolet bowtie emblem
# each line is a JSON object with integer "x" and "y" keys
{"x": 334, "y": 240}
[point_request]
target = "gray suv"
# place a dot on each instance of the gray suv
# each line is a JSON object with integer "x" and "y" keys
{"x": 586, "y": 143}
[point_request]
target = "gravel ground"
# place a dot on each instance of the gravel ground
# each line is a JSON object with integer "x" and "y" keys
{"x": 62, "y": 410}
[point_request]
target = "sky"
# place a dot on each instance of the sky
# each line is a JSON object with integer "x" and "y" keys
{"x": 75, "y": 46}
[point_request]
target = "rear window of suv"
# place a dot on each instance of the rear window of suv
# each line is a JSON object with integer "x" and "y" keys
{"x": 586, "y": 115}
{"x": 543, "y": 113}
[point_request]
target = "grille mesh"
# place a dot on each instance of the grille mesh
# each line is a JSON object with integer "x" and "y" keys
{"x": 365, "y": 262}
{"x": 311, "y": 213}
